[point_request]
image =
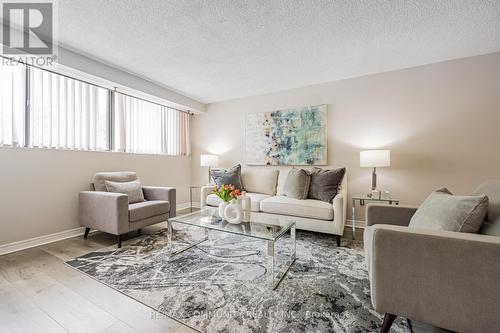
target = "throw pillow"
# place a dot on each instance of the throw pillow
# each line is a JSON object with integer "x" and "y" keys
{"x": 297, "y": 184}
{"x": 228, "y": 177}
{"x": 325, "y": 184}
{"x": 260, "y": 180}
{"x": 444, "y": 211}
{"x": 133, "y": 189}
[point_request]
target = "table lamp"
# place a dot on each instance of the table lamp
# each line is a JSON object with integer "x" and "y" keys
{"x": 374, "y": 159}
{"x": 209, "y": 161}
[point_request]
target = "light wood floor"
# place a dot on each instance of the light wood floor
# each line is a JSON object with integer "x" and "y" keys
{"x": 39, "y": 293}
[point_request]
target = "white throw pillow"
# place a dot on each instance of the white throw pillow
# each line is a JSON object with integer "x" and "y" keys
{"x": 260, "y": 180}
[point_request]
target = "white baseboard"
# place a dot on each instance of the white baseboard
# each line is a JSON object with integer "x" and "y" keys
{"x": 183, "y": 205}
{"x": 41, "y": 240}
{"x": 359, "y": 224}
{"x": 186, "y": 205}
{"x": 45, "y": 239}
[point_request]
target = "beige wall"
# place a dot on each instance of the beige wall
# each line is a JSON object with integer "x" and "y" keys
{"x": 441, "y": 121}
{"x": 40, "y": 187}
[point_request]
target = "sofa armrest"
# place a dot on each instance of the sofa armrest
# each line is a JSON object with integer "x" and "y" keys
{"x": 444, "y": 278}
{"x": 162, "y": 193}
{"x": 205, "y": 191}
{"x": 104, "y": 211}
{"x": 339, "y": 210}
{"x": 389, "y": 214}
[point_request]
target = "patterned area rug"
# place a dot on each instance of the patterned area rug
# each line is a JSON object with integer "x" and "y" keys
{"x": 221, "y": 285}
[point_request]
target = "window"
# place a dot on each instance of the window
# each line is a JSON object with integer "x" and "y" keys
{"x": 67, "y": 113}
{"x": 12, "y": 105}
{"x": 39, "y": 108}
{"x": 149, "y": 128}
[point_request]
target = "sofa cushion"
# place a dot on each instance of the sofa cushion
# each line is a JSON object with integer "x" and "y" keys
{"x": 297, "y": 184}
{"x": 260, "y": 180}
{"x": 491, "y": 225}
{"x": 120, "y": 176}
{"x": 132, "y": 189}
{"x": 444, "y": 211}
{"x": 228, "y": 177}
{"x": 325, "y": 183}
{"x": 308, "y": 208}
{"x": 143, "y": 210}
{"x": 255, "y": 199}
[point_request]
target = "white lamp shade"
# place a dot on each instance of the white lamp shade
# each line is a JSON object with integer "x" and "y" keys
{"x": 375, "y": 158}
{"x": 209, "y": 160}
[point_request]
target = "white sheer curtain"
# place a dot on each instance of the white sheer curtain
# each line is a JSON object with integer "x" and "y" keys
{"x": 67, "y": 113}
{"x": 148, "y": 128}
{"x": 12, "y": 104}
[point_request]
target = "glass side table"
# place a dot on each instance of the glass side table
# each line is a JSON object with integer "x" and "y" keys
{"x": 194, "y": 187}
{"x": 362, "y": 201}
{"x": 191, "y": 188}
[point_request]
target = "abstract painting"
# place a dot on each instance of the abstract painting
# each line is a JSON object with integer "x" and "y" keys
{"x": 287, "y": 137}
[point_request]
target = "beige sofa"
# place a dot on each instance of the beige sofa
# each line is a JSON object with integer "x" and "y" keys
{"x": 447, "y": 279}
{"x": 265, "y": 188}
{"x": 111, "y": 212}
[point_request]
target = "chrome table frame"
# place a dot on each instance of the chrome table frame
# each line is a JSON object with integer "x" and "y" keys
{"x": 274, "y": 276}
{"x": 362, "y": 200}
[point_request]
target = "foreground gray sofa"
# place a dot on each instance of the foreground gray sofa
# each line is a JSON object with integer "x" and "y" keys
{"x": 111, "y": 212}
{"x": 447, "y": 279}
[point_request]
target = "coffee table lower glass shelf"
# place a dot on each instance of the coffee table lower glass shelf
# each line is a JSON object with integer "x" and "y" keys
{"x": 267, "y": 228}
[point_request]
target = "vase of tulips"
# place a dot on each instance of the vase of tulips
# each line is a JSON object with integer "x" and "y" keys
{"x": 227, "y": 193}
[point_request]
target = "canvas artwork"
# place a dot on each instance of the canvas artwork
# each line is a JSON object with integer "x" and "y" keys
{"x": 287, "y": 137}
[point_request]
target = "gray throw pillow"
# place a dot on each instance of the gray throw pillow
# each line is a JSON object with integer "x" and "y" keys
{"x": 133, "y": 189}
{"x": 228, "y": 177}
{"x": 325, "y": 183}
{"x": 444, "y": 211}
{"x": 297, "y": 184}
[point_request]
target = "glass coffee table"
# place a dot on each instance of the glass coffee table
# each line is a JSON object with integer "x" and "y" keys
{"x": 264, "y": 227}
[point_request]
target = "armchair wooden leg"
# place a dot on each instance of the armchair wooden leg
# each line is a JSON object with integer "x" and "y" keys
{"x": 87, "y": 230}
{"x": 119, "y": 241}
{"x": 388, "y": 320}
{"x": 339, "y": 240}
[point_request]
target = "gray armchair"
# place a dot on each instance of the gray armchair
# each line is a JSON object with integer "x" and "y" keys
{"x": 447, "y": 279}
{"x": 112, "y": 213}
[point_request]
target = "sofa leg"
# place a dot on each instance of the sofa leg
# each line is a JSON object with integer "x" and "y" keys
{"x": 119, "y": 241}
{"x": 387, "y": 323}
{"x": 139, "y": 232}
{"x": 339, "y": 240}
{"x": 87, "y": 230}
{"x": 410, "y": 326}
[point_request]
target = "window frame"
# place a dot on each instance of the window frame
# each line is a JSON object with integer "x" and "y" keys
{"x": 29, "y": 110}
{"x": 110, "y": 112}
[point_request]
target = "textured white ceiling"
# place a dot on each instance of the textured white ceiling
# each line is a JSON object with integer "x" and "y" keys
{"x": 222, "y": 49}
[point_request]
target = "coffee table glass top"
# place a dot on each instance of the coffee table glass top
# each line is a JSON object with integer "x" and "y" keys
{"x": 260, "y": 226}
